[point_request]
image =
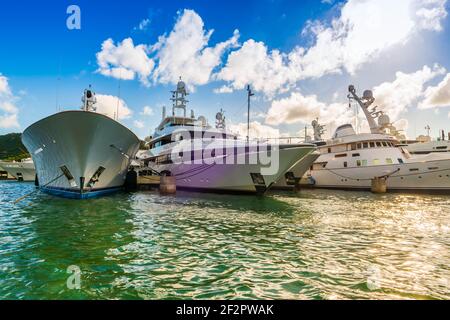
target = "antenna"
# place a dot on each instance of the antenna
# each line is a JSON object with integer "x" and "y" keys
{"x": 427, "y": 127}
{"x": 118, "y": 95}
{"x": 249, "y": 95}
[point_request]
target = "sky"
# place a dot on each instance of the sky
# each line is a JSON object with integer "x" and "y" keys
{"x": 298, "y": 56}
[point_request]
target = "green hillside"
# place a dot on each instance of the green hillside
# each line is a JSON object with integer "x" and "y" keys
{"x": 11, "y": 147}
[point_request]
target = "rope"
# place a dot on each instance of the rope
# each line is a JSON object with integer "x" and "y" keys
{"x": 385, "y": 176}
{"x": 37, "y": 189}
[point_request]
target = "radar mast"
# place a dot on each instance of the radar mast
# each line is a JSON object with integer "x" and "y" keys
{"x": 365, "y": 102}
{"x": 89, "y": 100}
{"x": 179, "y": 98}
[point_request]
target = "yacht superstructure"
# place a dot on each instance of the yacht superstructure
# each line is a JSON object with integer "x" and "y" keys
{"x": 80, "y": 153}
{"x": 423, "y": 144}
{"x": 350, "y": 160}
{"x": 206, "y": 158}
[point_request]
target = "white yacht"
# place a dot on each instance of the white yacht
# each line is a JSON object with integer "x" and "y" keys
{"x": 423, "y": 144}
{"x": 350, "y": 160}
{"x": 80, "y": 153}
{"x": 203, "y": 158}
{"x": 292, "y": 178}
{"x": 21, "y": 170}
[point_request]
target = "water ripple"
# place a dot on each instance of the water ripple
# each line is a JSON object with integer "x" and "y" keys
{"x": 312, "y": 245}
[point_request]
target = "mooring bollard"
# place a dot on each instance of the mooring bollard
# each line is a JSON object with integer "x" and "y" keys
{"x": 167, "y": 185}
{"x": 379, "y": 185}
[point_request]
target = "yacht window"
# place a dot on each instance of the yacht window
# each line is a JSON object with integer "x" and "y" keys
{"x": 433, "y": 168}
{"x": 365, "y": 145}
{"x": 384, "y": 144}
{"x": 353, "y": 146}
{"x": 355, "y": 155}
{"x": 400, "y": 160}
{"x": 414, "y": 169}
{"x": 379, "y": 144}
{"x": 345, "y": 164}
{"x": 361, "y": 163}
{"x": 376, "y": 161}
{"x": 341, "y": 155}
{"x": 319, "y": 165}
{"x": 389, "y": 161}
{"x": 329, "y": 150}
{"x": 359, "y": 146}
{"x": 372, "y": 144}
{"x": 441, "y": 147}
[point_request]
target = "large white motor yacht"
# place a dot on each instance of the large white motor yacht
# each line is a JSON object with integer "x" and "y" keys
{"x": 80, "y": 153}
{"x": 21, "y": 170}
{"x": 205, "y": 158}
{"x": 350, "y": 160}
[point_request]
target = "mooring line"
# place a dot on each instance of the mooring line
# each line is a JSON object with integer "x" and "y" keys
{"x": 37, "y": 189}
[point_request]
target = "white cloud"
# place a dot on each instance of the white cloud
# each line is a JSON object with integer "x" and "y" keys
{"x": 108, "y": 105}
{"x": 392, "y": 97}
{"x": 257, "y": 130}
{"x": 8, "y": 107}
{"x": 362, "y": 31}
{"x": 431, "y": 14}
{"x": 298, "y": 108}
{"x": 8, "y": 121}
{"x": 138, "y": 124}
{"x": 4, "y": 86}
{"x": 185, "y": 52}
{"x": 9, "y": 117}
{"x": 125, "y": 61}
{"x": 147, "y": 111}
{"x": 143, "y": 25}
{"x": 254, "y": 64}
{"x": 223, "y": 89}
{"x": 396, "y": 96}
{"x": 437, "y": 96}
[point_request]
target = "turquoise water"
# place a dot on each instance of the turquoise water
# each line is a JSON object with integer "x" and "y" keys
{"x": 312, "y": 245}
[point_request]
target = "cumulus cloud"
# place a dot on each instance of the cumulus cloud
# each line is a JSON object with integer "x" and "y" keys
{"x": 437, "y": 96}
{"x": 254, "y": 64}
{"x": 257, "y": 130}
{"x": 9, "y": 111}
{"x": 109, "y": 105}
{"x": 362, "y": 31}
{"x": 125, "y": 61}
{"x": 396, "y": 96}
{"x": 391, "y": 97}
{"x": 431, "y": 14}
{"x": 298, "y": 108}
{"x": 185, "y": 52}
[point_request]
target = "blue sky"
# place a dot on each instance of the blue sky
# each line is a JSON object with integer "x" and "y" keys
{"x": 298, "y": 55}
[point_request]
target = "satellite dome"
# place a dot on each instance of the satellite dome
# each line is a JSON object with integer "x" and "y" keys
{"x": 219, "y": 116}
{"x": 368, "y": 94}
{"x": 181, "y": 85}
{"x": 202, "y": 119}
{"x": 384, "y": 120}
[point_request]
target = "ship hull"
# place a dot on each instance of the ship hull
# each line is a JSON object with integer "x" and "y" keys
{"x": 80, "y": 154}
{"x": 415, "y": 177}
{"x": 233, "y": 178}
{"x": 296, "y": 172}
{"x": 22, "y": 171}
